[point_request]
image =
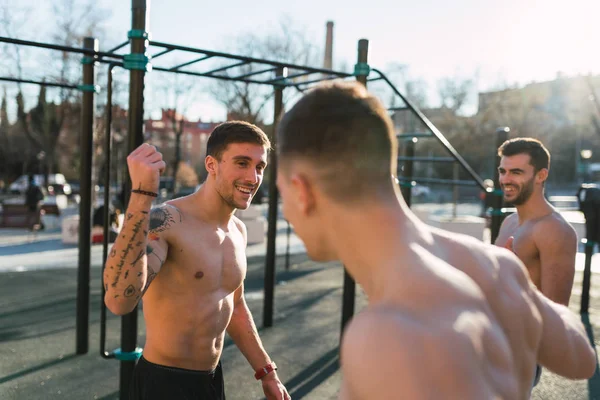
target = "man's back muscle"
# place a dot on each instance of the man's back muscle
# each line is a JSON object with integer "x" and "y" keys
{"x": 507, "y": 291}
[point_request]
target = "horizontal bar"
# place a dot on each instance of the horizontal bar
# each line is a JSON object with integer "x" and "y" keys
{"x": 279, "y": 78}
{"x": 374, "y": 79}
{"x": 413, "y": 135}
{"x": 439, "y": 181}
{"x": 250, "y": 59}
{"x": 61, "y": 85}
{"x": 205, "y": 75}
{"x": 58, "y": 47}
{"x": 161, "y": 53}
{"x": 190, "y": 62}
{"x": 226, "y": 67}
{"x": 398, "y": 108}
{"x": 118, "y": 47}
{"x": 425, "y": 159}
{"x": 262, "y": 71}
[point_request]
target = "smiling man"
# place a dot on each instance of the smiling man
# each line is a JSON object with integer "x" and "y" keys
{"x": 536, "y": 233}
{"x": 187, "y": 259}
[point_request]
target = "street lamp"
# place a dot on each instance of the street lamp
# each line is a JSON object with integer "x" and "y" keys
{"x": 586, "y": 155}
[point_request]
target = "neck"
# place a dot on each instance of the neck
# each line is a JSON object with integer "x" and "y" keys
{"x": 370, "y": 239}
{"x": 535, "y": 207}
{"x": 211, "y": 206}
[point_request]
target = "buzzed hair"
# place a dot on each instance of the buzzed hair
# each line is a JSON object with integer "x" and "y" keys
{"x": 234, "y": 132}
{"x": 346, "y": 135}
{"x": 539, "y": 155}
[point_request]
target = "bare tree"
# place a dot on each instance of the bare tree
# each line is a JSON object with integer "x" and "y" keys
{"x": 286, "y": 43}
{"x": 454, "y": 92}
{"x": 179, "y": 94}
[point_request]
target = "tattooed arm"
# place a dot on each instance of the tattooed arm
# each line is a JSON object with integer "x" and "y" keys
{"x": 137, "y": 255}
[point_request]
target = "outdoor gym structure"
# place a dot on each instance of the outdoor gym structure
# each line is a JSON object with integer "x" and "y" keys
{"x": 279, "y": 76}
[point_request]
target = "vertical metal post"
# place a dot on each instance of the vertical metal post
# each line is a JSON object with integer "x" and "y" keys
{"x": 408, "y": 170}
{"x": 137, "y": 73}
{"x": 348, "y": 297}
{"x": 85, "y": 206}
{"x": 497, "y": 196}
{"x": 587, "y": 276}
{"x": 273, "y": 209}
{"x": 106, "y": 232}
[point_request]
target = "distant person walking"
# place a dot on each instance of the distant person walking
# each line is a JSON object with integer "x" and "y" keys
{"x": 33, "y": 198}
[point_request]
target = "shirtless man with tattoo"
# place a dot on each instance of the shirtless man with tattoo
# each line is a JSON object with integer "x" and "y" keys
{"x": 536, "y": 233}
{"x": 186, "y": 259}
{"x": 449, "y": 317}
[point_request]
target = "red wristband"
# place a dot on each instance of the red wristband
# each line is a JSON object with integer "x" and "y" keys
{"x": 262, "y": 372}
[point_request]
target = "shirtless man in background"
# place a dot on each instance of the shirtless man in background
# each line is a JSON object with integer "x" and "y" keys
{"x": 448, "y": 316}
{"x": 537, "y": 233}
{"x": 187, "y": 259}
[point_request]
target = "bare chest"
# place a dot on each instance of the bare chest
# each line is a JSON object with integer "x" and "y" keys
{"x": 525, "y": 247}
{"x": 207, "y": 259}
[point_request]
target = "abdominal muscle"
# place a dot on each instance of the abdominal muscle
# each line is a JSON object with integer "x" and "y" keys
{"x": 187, "y": 331}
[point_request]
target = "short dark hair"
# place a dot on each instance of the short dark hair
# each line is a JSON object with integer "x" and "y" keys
{"x": 346, "y": 134}
{"x": 539, "y": 155}
{"x": 234, "y": 132}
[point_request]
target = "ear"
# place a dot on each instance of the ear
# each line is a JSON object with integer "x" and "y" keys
{"x": 305, "y": 193}
{"x": 542, "y": 175}
{"x": 210, "y": 163}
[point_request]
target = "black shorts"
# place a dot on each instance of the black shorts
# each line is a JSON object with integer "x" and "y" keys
{"x": 157, "y": 382}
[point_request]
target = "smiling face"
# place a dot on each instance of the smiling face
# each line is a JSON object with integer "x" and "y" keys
{"x": 518, "y": 178}
{"x": 238, "y": 173}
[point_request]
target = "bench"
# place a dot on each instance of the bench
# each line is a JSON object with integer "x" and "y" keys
{"x": 19, "y": 216}
{"x": 51, "y": 209}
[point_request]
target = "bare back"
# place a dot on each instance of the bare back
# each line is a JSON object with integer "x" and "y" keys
{"x": 189, "y": 303}
{"x": 508, "y": 295}
{"x": 468, "y": 307}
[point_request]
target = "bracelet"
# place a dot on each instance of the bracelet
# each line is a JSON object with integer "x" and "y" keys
{"x": 140, "y": 191}
{"x": 262, "y": 372}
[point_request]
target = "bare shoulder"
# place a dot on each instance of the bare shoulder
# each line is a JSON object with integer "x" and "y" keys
{"x": 511, "y": 219}
{"x": 239, "y": 225}
{"x": 554, "y": 226}
{"x": 164, "y": 218}
{"x": 383, "y": 344}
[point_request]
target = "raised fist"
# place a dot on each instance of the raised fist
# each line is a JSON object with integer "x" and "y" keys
{"x": 145, "y": 166}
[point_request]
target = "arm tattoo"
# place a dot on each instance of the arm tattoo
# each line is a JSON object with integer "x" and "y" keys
{"x": 136, "y": 229}
{"x": 130, "y": 291}
{"x": 160, "y": 220}
{"x": 150, "y": 250}
{"x": 151, "y": 276}
{"x": 139, "y": 257}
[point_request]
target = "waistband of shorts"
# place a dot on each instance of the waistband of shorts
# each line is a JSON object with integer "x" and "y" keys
{"x": 181, "y": 370}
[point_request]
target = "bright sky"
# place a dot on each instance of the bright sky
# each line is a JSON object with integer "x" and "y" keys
{"x": 500, "y": 42}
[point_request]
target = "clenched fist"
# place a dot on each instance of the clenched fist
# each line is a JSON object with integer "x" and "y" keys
{"x": 145, "y": 166}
